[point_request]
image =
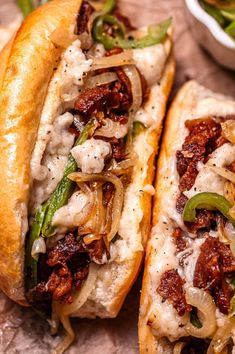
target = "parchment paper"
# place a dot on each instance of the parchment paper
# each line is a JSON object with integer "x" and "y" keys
{"x": 23, "y": 332}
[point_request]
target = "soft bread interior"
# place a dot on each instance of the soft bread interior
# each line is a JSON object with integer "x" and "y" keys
{"x": 30, "y": 62}
{"x": 192, "y": 101}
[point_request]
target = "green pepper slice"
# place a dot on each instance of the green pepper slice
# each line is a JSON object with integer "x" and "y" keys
{"x": 31, "y": 264}
{"x": 156, "y": 34}
{"x": 26, "y": 7}
{"x": 65, "y": 188}
{"x": 209, "y": 201}
{"x": 109, "y": 6}
{"x": 42, "y": 221}
{"x": 138, "y": 128}
{"x": 230, "y": 30}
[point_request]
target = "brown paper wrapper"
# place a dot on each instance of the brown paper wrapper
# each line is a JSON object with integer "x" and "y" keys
{"x": 20, "y": 330}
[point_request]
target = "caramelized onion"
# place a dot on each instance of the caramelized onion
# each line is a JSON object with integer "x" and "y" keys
{"x": 223, "y": 172}
{"x": 82, "y": 295}
{"x": 112, "y": 129}
{"x": 39, "y": 246}
{"x": 229, "y": 192}
{"x": 232, "y": 212}
{"x": 178, "y": 347}
{"x": 62, "y": 37}
{"x": 69, "y": 337}
{"x": 88, "y": 239}
{"x": 221, "y": 337}
{"x": 101, "y": 79}
{"x": 228, "y": 130}
{"x": 122, "y": 167}
{"x": 118, "y": 196}
{"x": 136, "y": 89}
{"x": 120, "y": 59}
{"x": 205, "y": 305}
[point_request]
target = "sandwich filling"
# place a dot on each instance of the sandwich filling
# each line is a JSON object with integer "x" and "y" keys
{"x": 84, "y": 203}
{"x": 192, "y": 275}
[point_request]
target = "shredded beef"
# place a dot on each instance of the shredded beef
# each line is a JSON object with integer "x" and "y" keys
{"x": 180, "y": 203}
{"x": 96, "y": 250}
{"x": 68, "y": 261}
{"x": 204, "y": 220}
{"x": 222, "y": 296}
{"x": 79, "y": 276}
{"x": 214, "y": 261}
{"x": 97, "y": 99}
{"x": 83, "y": 17}
{"x": 179, "y": 240}
{"x": 66, "y": 249}
{"x": 117, "y": 151}
{"x": 197, "y": 146}
{"x": 125, "y": 81}
{"x": 171, "y": 288}
{"x": 60, "y": 284}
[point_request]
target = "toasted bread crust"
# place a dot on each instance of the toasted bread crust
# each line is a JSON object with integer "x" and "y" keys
{"x": 187, "y": 98}
{"x": 30, "y": 55}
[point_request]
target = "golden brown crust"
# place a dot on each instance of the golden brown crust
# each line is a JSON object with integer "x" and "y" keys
{"x": 153, "y": 140}
{"x": 4, "y": 55}
{"x": 27, "y": 74}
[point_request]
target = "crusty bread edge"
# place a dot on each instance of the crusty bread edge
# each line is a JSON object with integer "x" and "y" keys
{"x": 31, "y": 54}
{"x": 147, "y": 341}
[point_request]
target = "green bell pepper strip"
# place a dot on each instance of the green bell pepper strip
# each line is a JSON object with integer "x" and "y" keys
{"x": 231, "y": 29}
{"x": 42, "y": 222}
{"x": 213, "y": 12}
{"x": 31, "y": 264}
{"x": 209, "y": 201}
{"x": 65, "y": 188}
{"x": 194, "y": 319}
{"x": 109, "y": 6}
{"x": 26, "y": 7}
{"x": 228, "y": 14}
{"x": 98, "y": 30}
{"x": 138, "y": 128}
{"x": 156, "y": 34}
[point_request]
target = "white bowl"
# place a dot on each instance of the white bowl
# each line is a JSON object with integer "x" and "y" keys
{"x": 210, "y": 35}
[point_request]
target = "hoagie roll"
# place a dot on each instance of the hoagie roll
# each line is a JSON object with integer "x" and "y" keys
{"x": 83, "y": 97}
{"x": 187, "y": 300}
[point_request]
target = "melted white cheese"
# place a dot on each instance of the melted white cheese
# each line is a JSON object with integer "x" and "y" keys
{"x": 151, "y": 61}
{"x": 68, "y": 215}
{"x": 54, "y": 141}
{"x": 199, "y": 103}
{"x": 209, "y": 181}
{"x": 49, "y": 173}
{"x": 75, "y": 67}
{"x": 90, "y": 155}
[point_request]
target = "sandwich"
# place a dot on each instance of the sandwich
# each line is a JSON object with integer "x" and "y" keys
{"x": 187, "y": 300}
{"x": 82, "y": 100}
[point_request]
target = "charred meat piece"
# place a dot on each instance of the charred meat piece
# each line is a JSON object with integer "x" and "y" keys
{"x": 171, "y": 288}
{"x": 204, "y": 220}
{"x": 214, "y": 261}
{"x": 97, "y": 99}
{"x": 65, "y": 250}
{"x": 180, "y": 203}
{"x": 60, "y": 284}
{"x": 80, "y": 275}
{"x": 179, "y": 240}
{"x": 96, "y": 250}
{"x": 200, "y": 142}
{"x": 222, "y": 296}
{"x": 85, "y": 12}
